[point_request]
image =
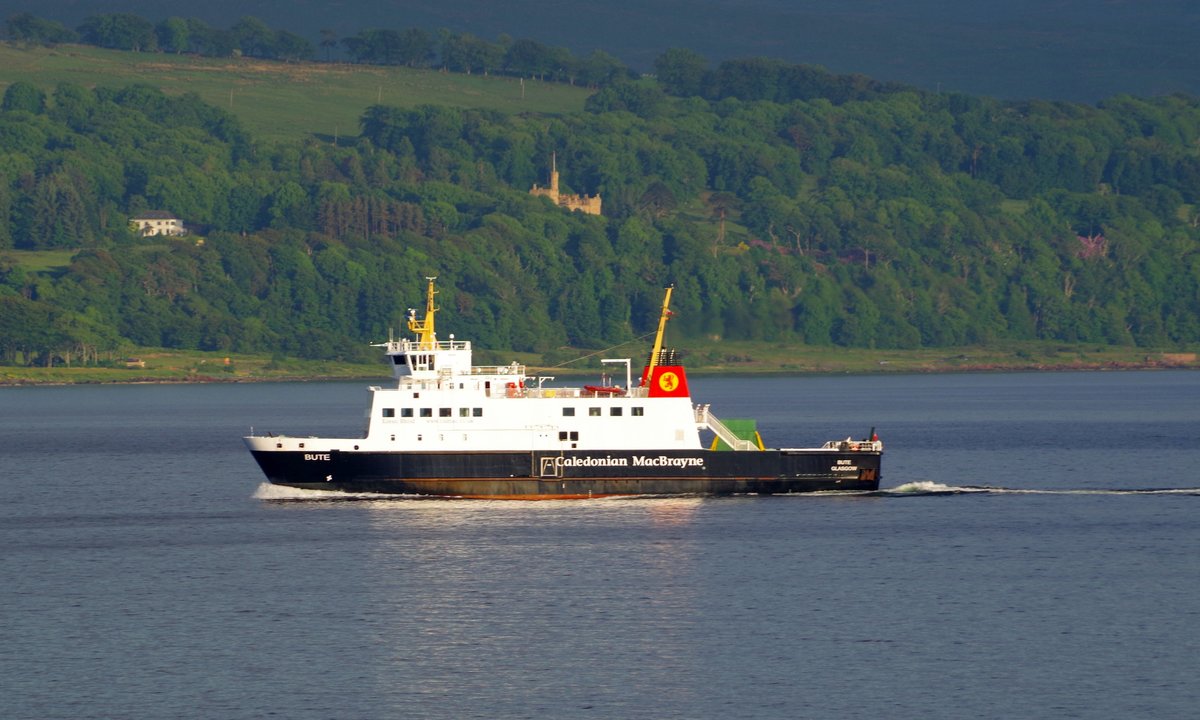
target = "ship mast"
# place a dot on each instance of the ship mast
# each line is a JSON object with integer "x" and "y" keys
{"x": 658, "y": 338}
{"x": 426, "y": 337}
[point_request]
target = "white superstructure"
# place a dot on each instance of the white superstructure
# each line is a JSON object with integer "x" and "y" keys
{"x": 442, "y": 402}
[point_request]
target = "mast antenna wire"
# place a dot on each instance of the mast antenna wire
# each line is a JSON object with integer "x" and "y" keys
{"x": 601, "y": 352}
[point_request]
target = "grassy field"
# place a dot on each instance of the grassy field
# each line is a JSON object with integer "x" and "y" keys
{"x": 161, "y": 366}
{"x": 712, "y": 359}
{"x": 284, "y": 101}
{"x": 752, "y": 358}
{"x": 39, "y": 261}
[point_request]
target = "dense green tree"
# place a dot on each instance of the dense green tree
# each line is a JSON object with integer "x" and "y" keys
{"x": 207, "y": 40}
{"x": 254, "y": 37}
{"x": 292, "y": 47}
{"x": 467, "y": 53}
{"x": 599, "y": 68}
{"x": 173, "y": 35}
{"x": 643, "y": 99}
{"x": 24, "y": 97}
{"x": 24, "y": 330}
{"x": 25, "y": 27}
{"x": 531, "y": 58}
{"x": 681, "y": 71}
{"x": 416, "y": 48}
{"x": 374, "y": 46}
{"x": 120, "y": 31}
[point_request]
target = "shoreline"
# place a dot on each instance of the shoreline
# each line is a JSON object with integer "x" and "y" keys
{"x": 61, "y": 377}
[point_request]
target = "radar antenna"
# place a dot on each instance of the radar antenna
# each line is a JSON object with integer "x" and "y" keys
{"x": 426, "y": 336}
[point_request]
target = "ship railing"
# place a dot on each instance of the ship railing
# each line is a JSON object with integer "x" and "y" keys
{"x": 406, "y": 346}
{"x": 513, "y": 369}
{"x": 851, "y": 445}
{"x": 706, "y": 420}
{"x": 556, "y": 392}
{"x": 518, "y": 390}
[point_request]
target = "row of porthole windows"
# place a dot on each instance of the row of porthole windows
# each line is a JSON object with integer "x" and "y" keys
{"x": 445, "y": 412}
{"x": 614, "y": 411}
{"x": 407, "y": 412}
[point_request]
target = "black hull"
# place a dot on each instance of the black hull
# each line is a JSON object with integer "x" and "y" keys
{"x": 543, "y": 475}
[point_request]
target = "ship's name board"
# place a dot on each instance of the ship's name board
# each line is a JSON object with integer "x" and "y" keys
{"x": 844, "y": 466}
{"x": 635, "y": 461}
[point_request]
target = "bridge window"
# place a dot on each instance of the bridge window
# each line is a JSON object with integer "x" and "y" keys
{"x": 637, "y": 411}
{"x": 568, "y": 412}
{"x": 614, "y": 411}
{"x": 593, "y": 412}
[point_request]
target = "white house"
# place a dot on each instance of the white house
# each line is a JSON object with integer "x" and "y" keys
{"x": 157, "y": 222}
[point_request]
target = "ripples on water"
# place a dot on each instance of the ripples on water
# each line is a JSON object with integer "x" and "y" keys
{"x": 1031, "y": 554}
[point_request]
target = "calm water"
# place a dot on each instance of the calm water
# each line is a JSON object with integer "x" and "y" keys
{"x": 1034, "y": 556}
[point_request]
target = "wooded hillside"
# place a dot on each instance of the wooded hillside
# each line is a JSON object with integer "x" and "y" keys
{"x": 832, "y": 212}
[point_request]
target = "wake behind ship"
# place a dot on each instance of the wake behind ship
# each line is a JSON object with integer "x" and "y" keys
{"x": 453, "y": 429}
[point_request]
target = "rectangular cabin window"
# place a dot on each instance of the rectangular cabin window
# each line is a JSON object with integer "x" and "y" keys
{"x": 389, "y": 412}
{"x": 562, "y": 434}
{"x": 476, "y": 412}
{"x": 637, "y": 411}
{"x": 405, "y": 412}
{"x": 464, "y": 412}
{"x": 444, "y": 412}
{"x": 593, "y": 412}
{"x": 426, "y": 412}
{"x": 568, "y": 412}
{"x": 614, "y": 411}
{"x": 574, "y": 435}
{"x": 399, "y": 360}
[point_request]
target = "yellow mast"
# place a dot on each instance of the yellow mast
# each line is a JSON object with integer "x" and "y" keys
{"x": 426, "y": 337}
{"x": 658, "y": 339}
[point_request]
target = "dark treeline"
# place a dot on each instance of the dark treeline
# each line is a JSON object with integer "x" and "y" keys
{"x": 124, "y": 31}
{"x": 895, "y": 219}
{"x": 685, "y": 73}
{"x": 680, "y": 72}
{"x": 251, "y": 37}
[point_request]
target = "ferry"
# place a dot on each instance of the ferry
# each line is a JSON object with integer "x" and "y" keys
{"x": 450, "y": 428}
